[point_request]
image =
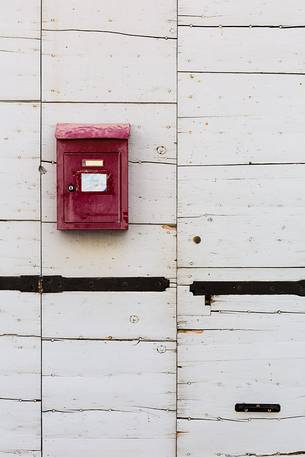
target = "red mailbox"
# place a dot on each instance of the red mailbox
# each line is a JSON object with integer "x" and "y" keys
{"x": 92, "y": 176}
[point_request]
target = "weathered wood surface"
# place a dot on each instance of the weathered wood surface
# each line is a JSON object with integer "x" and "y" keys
{"x": 112, "y": 315}
{"x": 153, "y": 129}
{"x": 136, "y": 17}
{"x": 241, "y": 49}
{"x": 241, "y": 438}
{"x": 20, "y": 428}
{"x": 147, "y": 250}
{"x": 234, "y": 118}
{"x": 262, "y": 207}
{"x": 152, "y": 193}
{"x": 239, "y": 12}
{"x": 20, "y": 313}
{"x": 20, "y": 19}
{"x": 126, "y": 61}
{"x": 21, "y": 84}
{"x": 20, "y": 248}
{"x": 19, "y": 174}
{"x": 187, "y": 275}
{"x": 146, "y": 433}
{"x": 242, "y": 359}
{"x": 20, "y": 367}
{"x": 87, "y": 373}
{"x": 192, "y": 311}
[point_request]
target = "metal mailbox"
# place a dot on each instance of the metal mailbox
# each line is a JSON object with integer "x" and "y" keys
{"x": 92, "y": 176}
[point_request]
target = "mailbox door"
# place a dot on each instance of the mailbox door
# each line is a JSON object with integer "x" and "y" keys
{"x": 92, "y": 191}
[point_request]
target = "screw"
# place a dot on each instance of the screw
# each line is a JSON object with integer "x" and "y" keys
{"x": 161, "y": 349}
{"x": 134, "y": 319}
{"x": 161, "y": 150}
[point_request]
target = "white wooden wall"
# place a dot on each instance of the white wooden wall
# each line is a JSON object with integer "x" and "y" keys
{"x": 240, "y": 189}
{"x": 215, "y": 93}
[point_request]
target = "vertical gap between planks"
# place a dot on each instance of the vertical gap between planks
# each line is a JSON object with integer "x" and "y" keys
{"x": 40, "y": 202}
{"x": 177, "y": 196}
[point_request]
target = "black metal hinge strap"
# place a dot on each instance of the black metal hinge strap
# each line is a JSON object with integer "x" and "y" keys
{"x": 54, "y": 284}
{"x": 248, "y": 288}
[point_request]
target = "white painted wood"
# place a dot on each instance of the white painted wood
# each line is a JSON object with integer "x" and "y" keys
{"x": 145, "y": 315}
{"x": 19, "y": 313}
{"x": 253, "y": 359}
{"x": 240, "y": 190}
{"x": 147, "y": 250}
{"x": 190, "y": 308}
{"x": 20, "y": 367}
{"x": 152, "y": 193}
{"x": 88, "y": 373}
{"x": 262, "y": 206}
{"x": 240, "y": 118}
{"x": 112, "y": 76}
{"x": 143, "y": 434}
{"x": 19, "y": 428}
{"x": 235, "y": 438}
{"x": 138, "y": 17}
{"x": 258, "y": 304}
{"x": 19, "y": 82}
{"x": 19, "y": 174}
{"x": 187, "y": 275}
{"x": 20, "y": 19}
{"x": 241, "y": 49}
{"x": 19, "y": 247}
{"x": 254, "y": 240}
{"x": 153, "y": 129}
{"x": 239, "y": 12}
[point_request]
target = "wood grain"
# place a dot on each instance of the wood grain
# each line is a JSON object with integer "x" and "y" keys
{"x": 126, "y": 60}
{"x": 241, "y": 50}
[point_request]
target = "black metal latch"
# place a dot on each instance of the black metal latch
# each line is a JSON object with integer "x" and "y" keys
{"x": 257, "y": 408}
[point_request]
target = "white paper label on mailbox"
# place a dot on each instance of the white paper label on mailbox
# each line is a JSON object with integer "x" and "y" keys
{"x": 94, "y": 182}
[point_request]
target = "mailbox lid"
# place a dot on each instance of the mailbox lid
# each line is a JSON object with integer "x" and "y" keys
{"x": 68, "y": 131}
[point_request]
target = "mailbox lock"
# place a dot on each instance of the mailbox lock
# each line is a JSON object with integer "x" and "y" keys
{"x": 71, "y": 188}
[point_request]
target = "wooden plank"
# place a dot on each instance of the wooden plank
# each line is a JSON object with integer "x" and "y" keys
{"x": 21, "y": 19}
{"x": 246, "y": 50}
{"x": 19, "y": 429}
{"x": 235, "y": 438}
{"x": 20, "y": 367}
{"x": 256, "y": 358}
{"x": 258, "y": 304}
{"x": 144, "y": 315}
{"x": 124, "y": 61}
{"x": 147, "y": 250}
{"x": 145, "y": 433}
{"x": 234, "y": 307}
{"x": 20, "y": 313}
{"x": 24, "y": 83}
{"x": 261, "y": 205}
{"x": 135, "y": 17}
{"x": 152, "y": 193}
{"x": 153, "y": 127}
{"x": 142, "y": 375}
{"x": 240, "y": 190}
{"x": 237, "y": 118}
{"x": 19, "y": 246}
{"x": 187, "y": 275}
{"x": 238, "y": 12}
{"x": 19, "y": 176}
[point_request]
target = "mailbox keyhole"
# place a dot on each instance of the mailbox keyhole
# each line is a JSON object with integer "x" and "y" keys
{"x": 71, "y": 188}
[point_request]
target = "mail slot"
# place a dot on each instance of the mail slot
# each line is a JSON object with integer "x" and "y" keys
{"x": 92, "y": 176}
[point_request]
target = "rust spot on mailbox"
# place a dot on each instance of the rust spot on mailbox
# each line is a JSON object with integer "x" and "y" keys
{"x": 92, "y": 176}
